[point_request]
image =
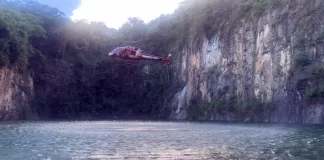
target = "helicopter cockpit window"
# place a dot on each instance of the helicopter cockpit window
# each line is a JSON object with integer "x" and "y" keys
{"x": 117, "y": 50}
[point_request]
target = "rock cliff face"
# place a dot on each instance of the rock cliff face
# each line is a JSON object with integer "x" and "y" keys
{"x": 256, "y": 60}
{"x": 16, "y": 93}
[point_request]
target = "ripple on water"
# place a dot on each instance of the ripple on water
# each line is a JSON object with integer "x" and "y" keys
{"x": 158, "y": 140}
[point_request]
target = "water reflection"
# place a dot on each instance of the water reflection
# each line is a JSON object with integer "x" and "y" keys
{"x": 158, "y": 140}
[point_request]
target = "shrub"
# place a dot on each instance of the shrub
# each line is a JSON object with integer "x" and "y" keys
{"x": 315, "y": 92}
{"x": 301, "y": 60}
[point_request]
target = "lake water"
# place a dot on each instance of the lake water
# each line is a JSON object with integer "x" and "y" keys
{"x": 94, "y": 140}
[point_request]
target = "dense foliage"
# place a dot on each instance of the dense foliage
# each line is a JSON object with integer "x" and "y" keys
{"x": 16, "y": 30}
{"x": 73, "y": 76}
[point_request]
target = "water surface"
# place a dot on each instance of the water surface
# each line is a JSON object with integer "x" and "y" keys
{"x": 158, "y": 140}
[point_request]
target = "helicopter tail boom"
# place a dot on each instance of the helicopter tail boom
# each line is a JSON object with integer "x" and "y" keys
{"x": 151, "y": 57}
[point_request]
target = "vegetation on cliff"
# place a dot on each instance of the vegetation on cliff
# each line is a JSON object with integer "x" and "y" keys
{"x": 74, "y": 78}
{"x": 304, "y": 86}
{"x": 72, "y": 74}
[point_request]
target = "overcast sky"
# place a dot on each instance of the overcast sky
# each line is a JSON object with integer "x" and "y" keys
{"x": 116, "y": 12}
{"x": 113, "y": 12}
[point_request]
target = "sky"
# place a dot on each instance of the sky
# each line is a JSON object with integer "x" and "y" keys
{"x": 65, "y": 6}
{"x": 114, "y": 13}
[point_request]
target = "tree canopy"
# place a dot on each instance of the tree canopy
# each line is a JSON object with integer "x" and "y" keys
{"x": 73, "y": 76}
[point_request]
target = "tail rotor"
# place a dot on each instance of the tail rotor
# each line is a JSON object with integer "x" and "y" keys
{"x": 168, "y": 59}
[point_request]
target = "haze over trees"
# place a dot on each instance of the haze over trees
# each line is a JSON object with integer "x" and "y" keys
{"x": 73, "y": 76}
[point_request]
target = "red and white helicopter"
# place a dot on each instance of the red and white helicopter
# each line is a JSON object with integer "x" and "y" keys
{"x": 134, "y": 53}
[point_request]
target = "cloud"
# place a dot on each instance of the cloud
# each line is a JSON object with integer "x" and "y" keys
{"x": 116, "y": 12}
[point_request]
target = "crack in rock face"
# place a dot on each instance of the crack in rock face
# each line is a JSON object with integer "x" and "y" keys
{"x": 256, "y": 60}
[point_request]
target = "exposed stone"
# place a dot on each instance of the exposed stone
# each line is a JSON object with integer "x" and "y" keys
{"x": 180, "y": 103}
{"x": 16, "y": 93}
{"x": 314, "y": 114}
{"x": 255, "y": 60}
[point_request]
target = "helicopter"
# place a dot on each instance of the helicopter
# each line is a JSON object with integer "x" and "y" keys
{"x": 135, "y": 54}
